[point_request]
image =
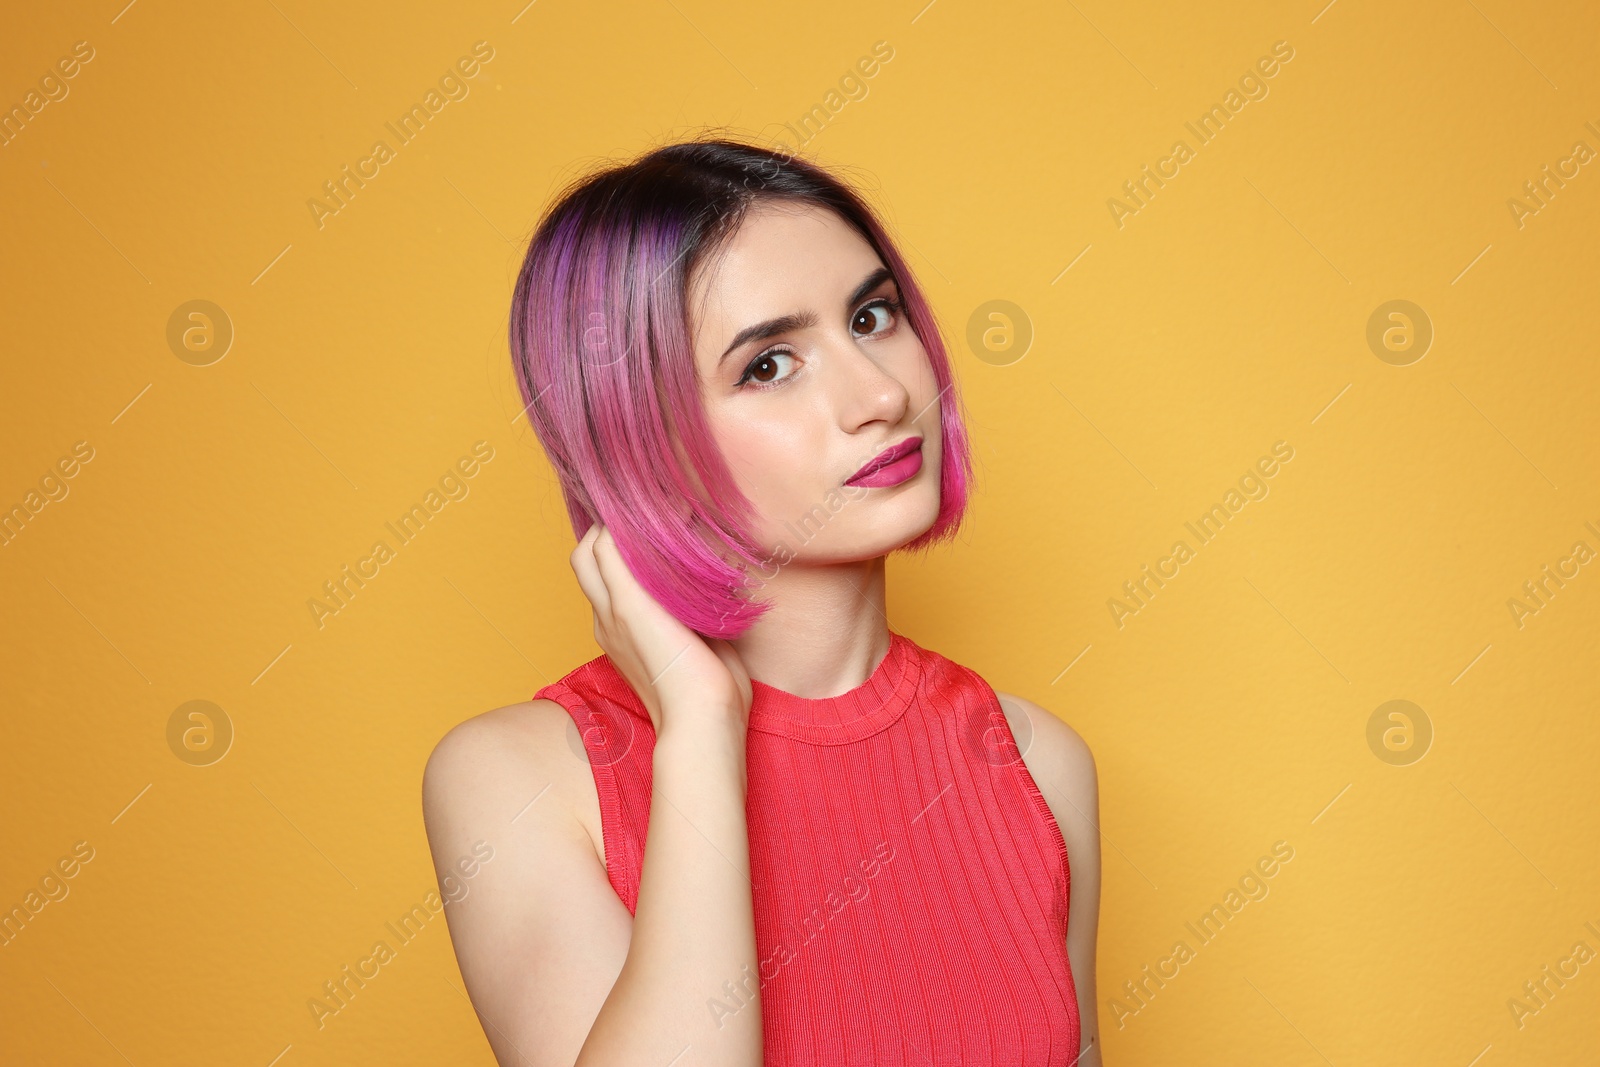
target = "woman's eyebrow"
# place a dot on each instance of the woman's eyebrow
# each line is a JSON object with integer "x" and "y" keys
{"x": 762, "y": 330}
{"x": 803, "y": 320}
{"x": 871, "y": 282}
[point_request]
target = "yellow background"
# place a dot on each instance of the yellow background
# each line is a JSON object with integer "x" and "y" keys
{"x": 1228, "y": 314}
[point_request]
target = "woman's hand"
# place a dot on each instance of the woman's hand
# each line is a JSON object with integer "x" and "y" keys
{"x": 667, "y": 664}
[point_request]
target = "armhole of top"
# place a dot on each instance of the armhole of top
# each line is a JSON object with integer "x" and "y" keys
{"x": 1031, "y": 787}
{"x": 605, "y": 784}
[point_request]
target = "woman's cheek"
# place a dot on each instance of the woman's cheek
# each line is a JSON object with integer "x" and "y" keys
{"x": 759, "y": 471}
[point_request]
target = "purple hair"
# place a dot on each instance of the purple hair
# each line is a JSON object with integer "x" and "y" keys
{"x": 601, "y": 344}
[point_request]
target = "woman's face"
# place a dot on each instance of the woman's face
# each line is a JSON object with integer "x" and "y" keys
{"x": 810, "y": 370}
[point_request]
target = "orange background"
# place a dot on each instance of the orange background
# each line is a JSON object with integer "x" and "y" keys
{"x": 1228, "y": 313}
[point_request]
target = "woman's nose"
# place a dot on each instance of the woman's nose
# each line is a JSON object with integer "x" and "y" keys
{"x": 865, "y": 390}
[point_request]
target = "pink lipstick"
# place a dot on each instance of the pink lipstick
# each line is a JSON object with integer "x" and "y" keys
{"x": 893, "y": 465}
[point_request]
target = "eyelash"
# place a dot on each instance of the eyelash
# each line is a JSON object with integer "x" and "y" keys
{"x": 895, "y": 307}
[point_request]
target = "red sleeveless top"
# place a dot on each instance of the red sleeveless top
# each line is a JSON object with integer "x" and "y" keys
{"x": 909, "y": 882}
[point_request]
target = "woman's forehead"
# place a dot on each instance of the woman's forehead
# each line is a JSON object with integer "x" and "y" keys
{"x": 783, "y": 259}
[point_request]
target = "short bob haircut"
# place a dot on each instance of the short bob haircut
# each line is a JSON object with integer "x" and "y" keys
{"x": 604, "y": 358}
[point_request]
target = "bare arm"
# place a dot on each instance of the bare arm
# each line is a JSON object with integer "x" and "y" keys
{"x": 539, "y": 935}
{"x": 558, "y": 971}
{"x": 1060, "y": 762}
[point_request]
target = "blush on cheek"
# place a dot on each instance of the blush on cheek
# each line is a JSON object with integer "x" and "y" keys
{"x": 780, "y": 473}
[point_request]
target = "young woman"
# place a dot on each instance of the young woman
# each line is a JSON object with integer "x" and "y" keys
{"x": 763, "y": 827}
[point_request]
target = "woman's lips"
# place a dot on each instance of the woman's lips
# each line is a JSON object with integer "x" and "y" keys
{"x": 892, "y": 466}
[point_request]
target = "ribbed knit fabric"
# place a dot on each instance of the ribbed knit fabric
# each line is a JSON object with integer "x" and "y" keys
{"x": 910, "y": 883}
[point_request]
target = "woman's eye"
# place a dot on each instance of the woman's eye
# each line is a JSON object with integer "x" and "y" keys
{"x": 767, "y": 368}
{"x": 880, "y": 313}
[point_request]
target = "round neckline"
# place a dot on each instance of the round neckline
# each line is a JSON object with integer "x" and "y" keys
{"x": 850, "y": 716}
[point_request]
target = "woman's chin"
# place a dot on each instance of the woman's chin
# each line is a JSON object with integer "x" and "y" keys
{"x": 873, "y": 535}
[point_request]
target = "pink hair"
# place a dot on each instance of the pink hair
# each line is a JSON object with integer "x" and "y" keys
{"x": 603, "y": 357}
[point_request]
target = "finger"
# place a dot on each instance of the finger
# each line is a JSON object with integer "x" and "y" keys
{"x": 621, "y": 585}
{"x": 588, "y": 574}
{"x": 633, "y": 605}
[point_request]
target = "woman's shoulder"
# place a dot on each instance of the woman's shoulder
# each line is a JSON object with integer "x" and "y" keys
{"x": 1061, "y": 764}
{"x": 494, "y": 765}
{"x": 1061, "y": 743}
{"x": 512, "y": 736}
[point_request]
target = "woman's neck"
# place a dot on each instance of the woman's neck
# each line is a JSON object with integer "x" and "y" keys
{"x": 825, "y": 632}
